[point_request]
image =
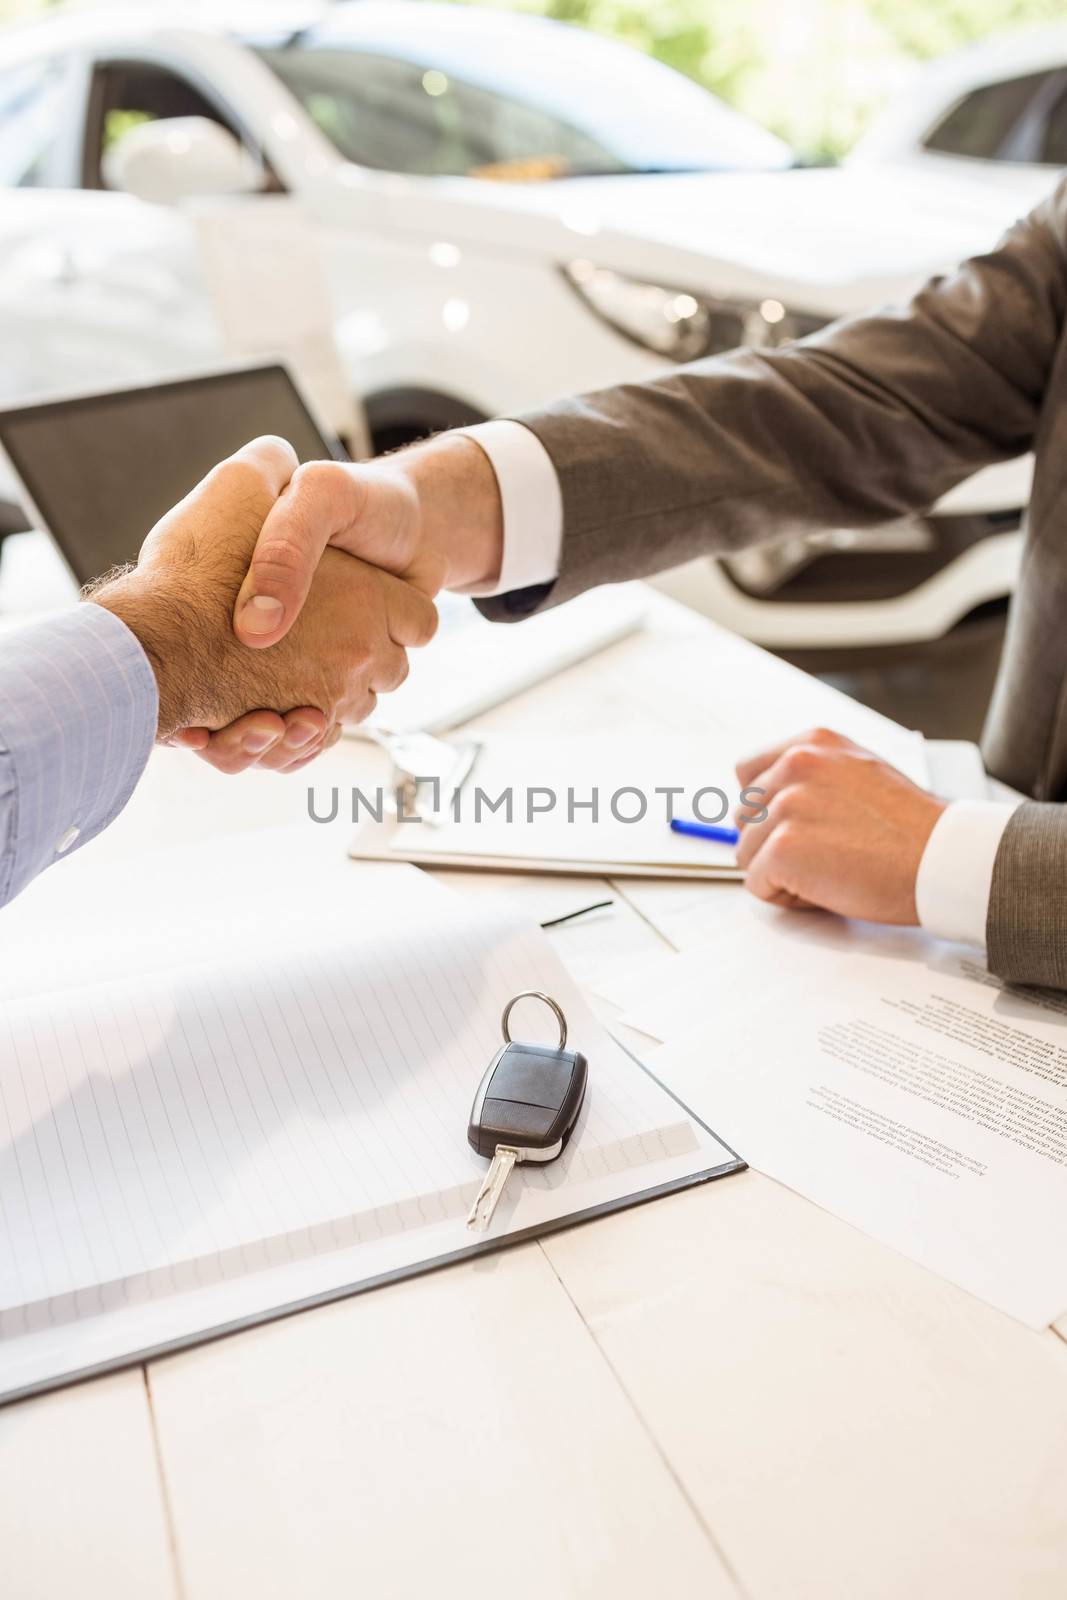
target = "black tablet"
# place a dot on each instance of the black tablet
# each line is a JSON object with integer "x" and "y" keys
{"x": 96, "y": 471}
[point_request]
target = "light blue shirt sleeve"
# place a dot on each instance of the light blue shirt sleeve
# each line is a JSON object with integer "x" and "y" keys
{"x": 78, "y": 713}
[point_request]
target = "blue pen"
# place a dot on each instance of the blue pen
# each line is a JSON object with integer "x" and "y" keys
{"x": 704, "y": 830}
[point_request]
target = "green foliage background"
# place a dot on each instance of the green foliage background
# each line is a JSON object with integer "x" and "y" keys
{"x": 813, "y": 70}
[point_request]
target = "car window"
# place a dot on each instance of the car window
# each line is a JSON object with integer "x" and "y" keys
{"x": 1054, "y": 142}
{"x": 476, "y": 91}
{"x": 397, "y": 116}
{"x": 125, "y": 94}
{"x": 31, "y": 96}
{"x": 985, "y": 122}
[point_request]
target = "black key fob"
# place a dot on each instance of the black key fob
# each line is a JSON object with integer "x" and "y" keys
{"x": 529, "y": 1098}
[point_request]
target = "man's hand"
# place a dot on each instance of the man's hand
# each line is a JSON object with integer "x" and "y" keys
{"x": 844, "y": 831}
{"x": 347, "y": 647}
{"x": 430, "y": 515}
{"x": 264, "y": 739}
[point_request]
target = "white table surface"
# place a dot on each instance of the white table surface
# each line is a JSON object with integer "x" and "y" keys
{"x": 726, "y": 1392}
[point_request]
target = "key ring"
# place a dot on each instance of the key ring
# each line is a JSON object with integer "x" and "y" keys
{"x": 535, "y": 994}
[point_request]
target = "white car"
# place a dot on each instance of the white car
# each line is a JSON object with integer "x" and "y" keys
{"x": 507, "y": 209}
{"x": 994, "y": 113}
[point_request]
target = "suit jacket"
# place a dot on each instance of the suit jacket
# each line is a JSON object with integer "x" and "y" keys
{"x": 869, "y": 420}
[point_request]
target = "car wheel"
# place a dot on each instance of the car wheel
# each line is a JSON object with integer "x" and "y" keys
{"x": 397, "y": 417}
{"x": 396, "y": 437}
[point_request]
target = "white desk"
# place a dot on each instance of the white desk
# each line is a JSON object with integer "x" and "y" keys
{"x": 724, "y": 1393}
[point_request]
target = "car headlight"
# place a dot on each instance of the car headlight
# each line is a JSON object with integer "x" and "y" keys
{"x": 681, "y": 325}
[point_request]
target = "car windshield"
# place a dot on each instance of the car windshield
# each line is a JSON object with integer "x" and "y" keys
{"x": 528, "y": 102}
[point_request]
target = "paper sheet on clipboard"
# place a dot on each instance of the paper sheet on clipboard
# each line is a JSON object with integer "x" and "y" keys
{"x": 579, "y": 804}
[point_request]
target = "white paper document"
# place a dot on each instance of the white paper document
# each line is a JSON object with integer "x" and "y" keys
{"x": 956, "y": 770}
{"x": 473, "y": 664}
{"x": 271, "y": 1106}
{"x": 889, "y": 1078}
{"x": 577, "y": 804}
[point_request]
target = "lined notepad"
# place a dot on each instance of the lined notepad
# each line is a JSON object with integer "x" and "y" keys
{"x": 275, "y": 1107}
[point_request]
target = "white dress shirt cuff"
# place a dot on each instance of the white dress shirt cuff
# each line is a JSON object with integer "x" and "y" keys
{"x": 532, "y": 506}
{"x": 956, "y": 871}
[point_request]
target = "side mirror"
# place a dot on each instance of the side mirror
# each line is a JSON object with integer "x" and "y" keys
{"x": 181, "y": 158}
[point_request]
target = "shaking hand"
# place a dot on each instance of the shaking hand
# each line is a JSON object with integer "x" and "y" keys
{"x": 430, "y": 515}
{"x": 347, "y": 646}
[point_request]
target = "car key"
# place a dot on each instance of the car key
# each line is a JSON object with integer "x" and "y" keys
{"x": 526, "y": 1106}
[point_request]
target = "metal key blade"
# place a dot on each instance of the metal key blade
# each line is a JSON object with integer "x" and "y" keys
{"x": 481, "y": 1212}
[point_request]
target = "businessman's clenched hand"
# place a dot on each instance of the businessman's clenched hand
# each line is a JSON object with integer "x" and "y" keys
{"x": 347, "y": 646}
{"x": 845, "y": 832}
{"x": 430, "y": 515}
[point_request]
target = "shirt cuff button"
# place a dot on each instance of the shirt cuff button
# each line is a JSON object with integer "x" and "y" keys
{"x": 65, "y": 840}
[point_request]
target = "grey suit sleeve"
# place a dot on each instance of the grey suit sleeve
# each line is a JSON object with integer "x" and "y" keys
{"x": 1026, "y": 925}
{"x": 875, "y": 417}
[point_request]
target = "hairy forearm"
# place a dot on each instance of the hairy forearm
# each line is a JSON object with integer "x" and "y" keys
{"x": 459, "y": 507}
{"x": 203, "y": 676}
{"x": 175, "y": 637}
